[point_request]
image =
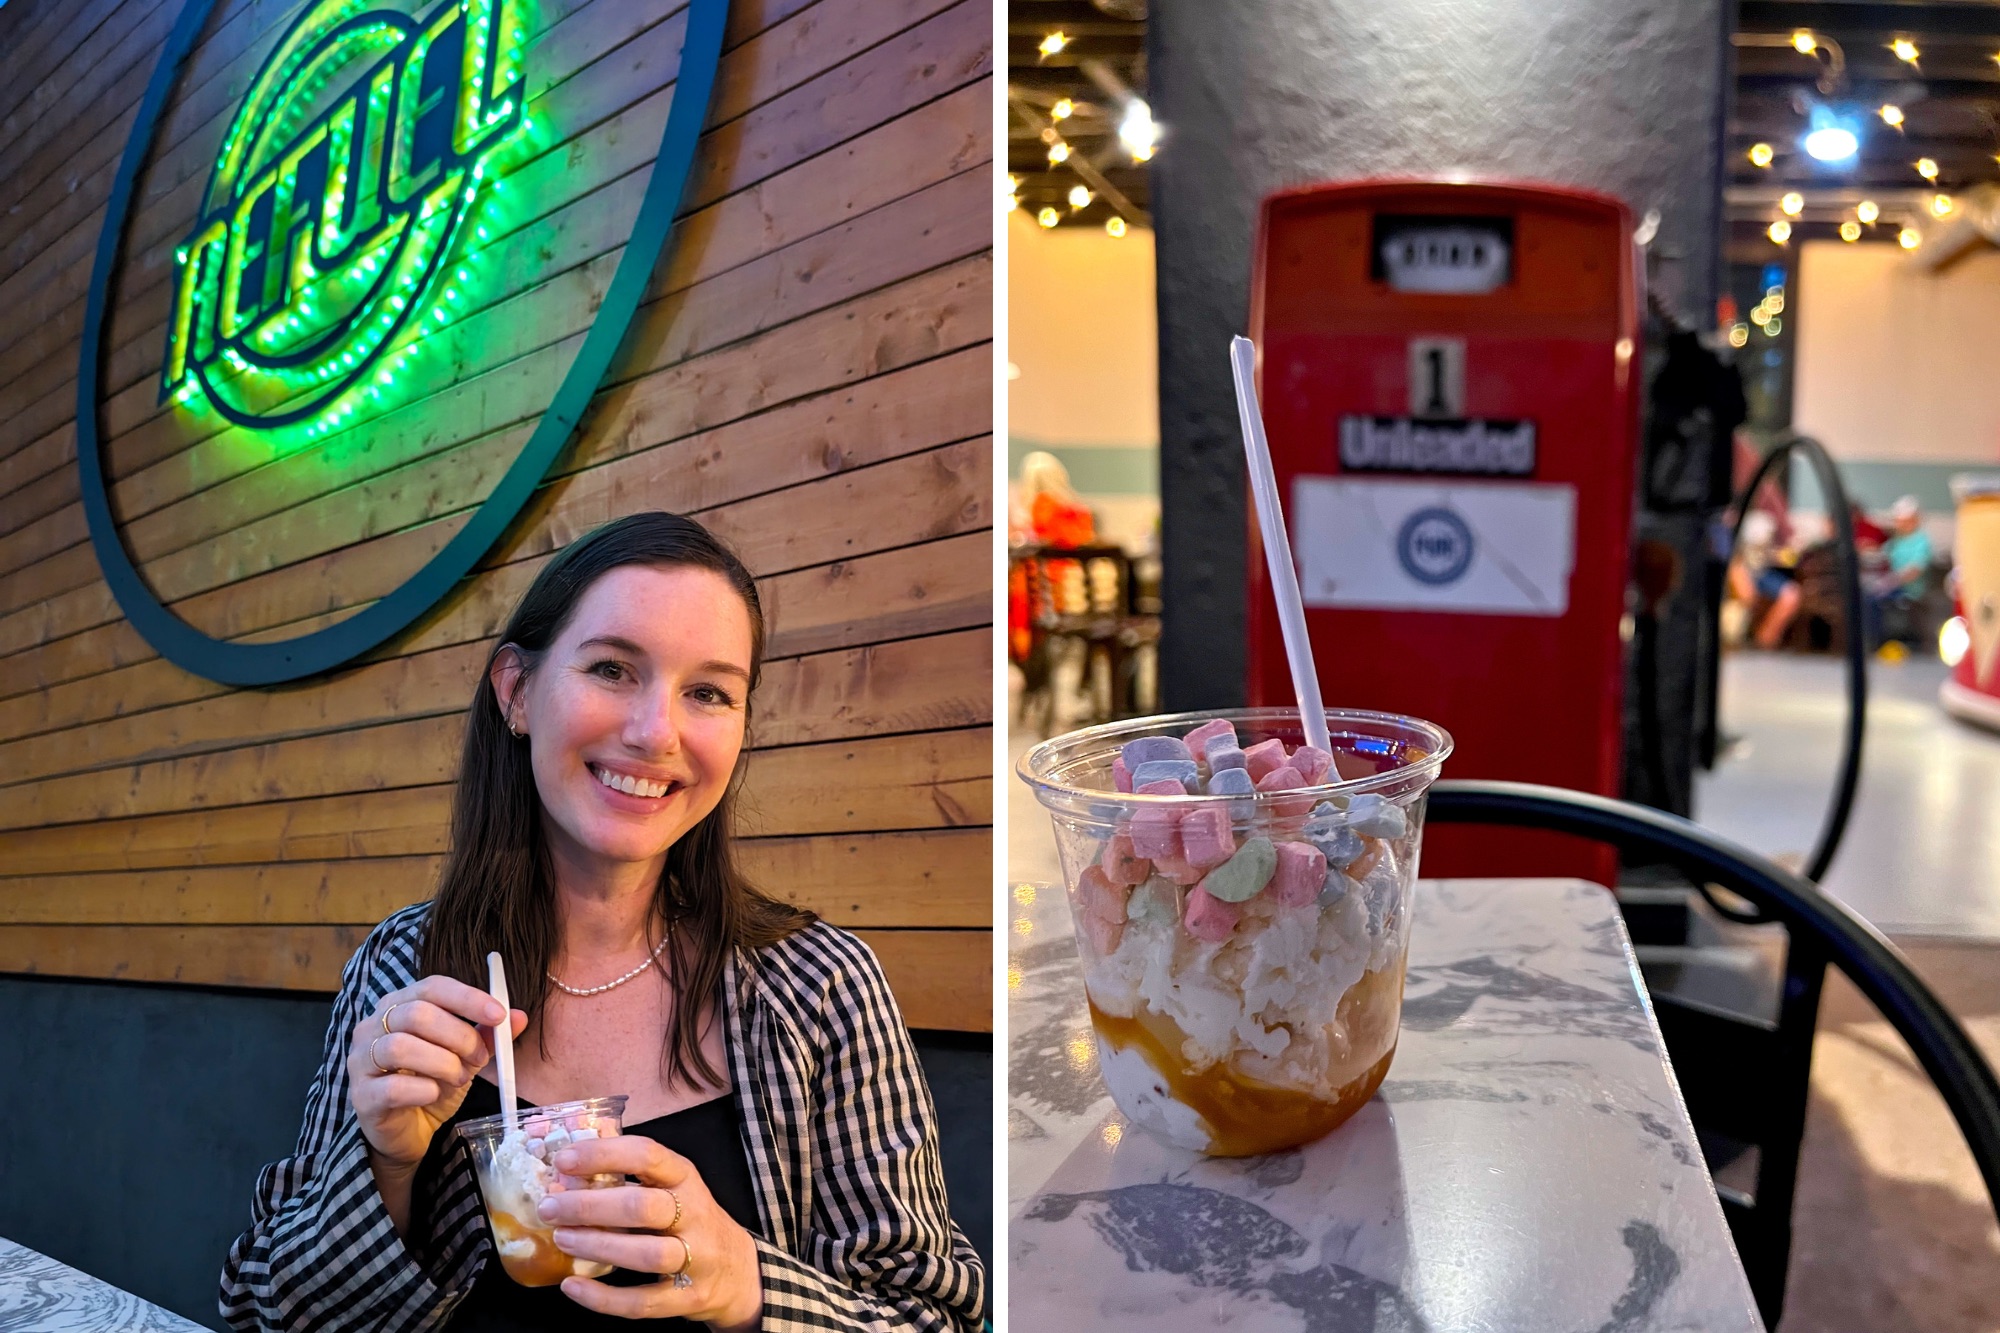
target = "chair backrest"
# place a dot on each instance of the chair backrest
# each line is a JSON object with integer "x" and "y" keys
{"x": 1751, "y": 1079}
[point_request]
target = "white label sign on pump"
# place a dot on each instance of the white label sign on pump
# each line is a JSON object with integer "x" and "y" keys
{"x": 1503, "y": 548}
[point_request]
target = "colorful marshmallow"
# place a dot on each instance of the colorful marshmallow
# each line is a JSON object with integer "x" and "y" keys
{"x": 1300, "y": 875}
{"x": 1374, "y": 816}
{"x": 1341, "y": 847}
{"x": 1244, "y": 875}
{"x": 1121, "y": 776}
{"x": 1210, "y": 918}
{"x": 1183, "y": 771}
{"x": 1156, "y": 832}
{"x": 1098, "y": 896}
{"x": 1148, "y": 748}
{"x": 1157, "y": 900}
{"x": 1203, "y": 738}
{"x": 1121, "y": 864}
{"x": 1223, "y": 755}
{"x": 1206, "y": 838}
{"x": 1162, "y": 787}
{"x": 1230, "y": 782}
{"x": 1315, "y": 765}
{"x": 1264, "y": 756}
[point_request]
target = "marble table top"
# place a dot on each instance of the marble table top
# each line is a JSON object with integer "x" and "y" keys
{"x": 39, "y": 1294}
{"x": 1527, "y": 1165}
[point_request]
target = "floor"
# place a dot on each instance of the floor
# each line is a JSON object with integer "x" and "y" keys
{"x": 1893, "y": 1232}
{"x": 1922, "y": 850}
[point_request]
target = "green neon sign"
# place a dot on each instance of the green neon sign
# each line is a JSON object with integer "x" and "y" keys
{"x": 327, "y": 234}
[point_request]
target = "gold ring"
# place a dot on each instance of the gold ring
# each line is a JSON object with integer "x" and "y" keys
{"x": 680, "y": 1275}
{"x": 378, "y": 1059}
{"x": 677, "y": 1213}
{"x": 386, "y": 1029}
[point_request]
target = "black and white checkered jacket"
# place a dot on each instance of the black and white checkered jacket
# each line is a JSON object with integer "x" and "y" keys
{"x": 839, "y": 1130}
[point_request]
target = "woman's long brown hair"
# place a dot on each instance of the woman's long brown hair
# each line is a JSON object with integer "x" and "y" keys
{"x": 497, "y": 889}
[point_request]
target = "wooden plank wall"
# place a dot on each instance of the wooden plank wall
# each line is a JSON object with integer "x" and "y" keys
{"x": 810, "y": 375}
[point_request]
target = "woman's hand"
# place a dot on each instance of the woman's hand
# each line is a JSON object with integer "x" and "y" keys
{"x": 704, "y": 1245}
{"x": 411, "y": 1062}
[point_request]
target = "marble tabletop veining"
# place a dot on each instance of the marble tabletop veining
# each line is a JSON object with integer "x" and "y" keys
{"x": 1527, "y": 1165}
{"x": 39, "y": 1294}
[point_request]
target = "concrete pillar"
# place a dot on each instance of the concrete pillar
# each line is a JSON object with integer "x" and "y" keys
{"x": 1623, "y": 96}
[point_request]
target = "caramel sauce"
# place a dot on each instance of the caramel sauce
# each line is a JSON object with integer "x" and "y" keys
{"x": 546, "y": 1265}
{"x": 1247, "y": 1116}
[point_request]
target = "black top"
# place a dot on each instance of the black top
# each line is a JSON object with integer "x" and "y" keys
{"x": 709, "y": 1134}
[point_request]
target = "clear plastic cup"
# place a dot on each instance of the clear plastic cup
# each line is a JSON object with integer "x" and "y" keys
{"x": 1264, "y": 1014}
{"x": 515, "y": 1177}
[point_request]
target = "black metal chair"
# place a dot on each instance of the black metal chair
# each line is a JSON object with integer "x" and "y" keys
{"x": 1747, "y": 1079}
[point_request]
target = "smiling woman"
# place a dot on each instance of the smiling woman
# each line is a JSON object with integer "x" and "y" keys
{"x": 591, "y": 849}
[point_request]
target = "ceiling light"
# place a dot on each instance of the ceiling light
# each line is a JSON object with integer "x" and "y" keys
{"x": 1792, "y": 204}
{"x": 1760, "y": 153}
{"x": 1927, "y": 168}
{"x": 1940, "y": 205}
{"x": 1909, "y": 238}
{"x": 1905, "y": 49}
{"x": 1063, "y": 109}
{"x": 1891, "y": 115}
{"x": 1832, "y": 138}
{"x": 1114, "y": 227}
{"x": 1058, "y": 153}
{"x": 1079, "y": 196}
{"x": 1054, "y": 42}
{"x": 1048, "y": 217}
{"x": 1804, "y": 42}
{"x": 1867, "y": 211}
{"x": 1832, "y": 144}
{"x": 1850, "y": 231}
{"x": 1779, "y": 231}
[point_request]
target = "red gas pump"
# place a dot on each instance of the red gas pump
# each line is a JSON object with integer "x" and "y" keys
{"x": 1448, "y": 383}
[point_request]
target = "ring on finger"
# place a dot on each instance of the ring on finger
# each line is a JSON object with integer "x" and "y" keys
{"x": 680, "y": 1275}
{"x": 378, "y": 1059}
{"x": 386, "y": 1029}
{"x": 677, "y": 1212}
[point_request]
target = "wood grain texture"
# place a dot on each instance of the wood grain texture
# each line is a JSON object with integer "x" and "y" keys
{"x": 810, "y": 375}
{"x": 941, "y": 978}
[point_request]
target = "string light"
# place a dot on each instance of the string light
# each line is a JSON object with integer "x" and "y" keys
{"x": 1080, "y": 197}
{"x": 1909, "y": 238}
{"x": 1758, "y": 315}
{"x": 1927, "y": 167}
{"x": 1738, "y": 334}
{"x": 1760, "y": 155}
{"x": 1941, "y": 205}
{"x": 1792, "y": 204}
{"x": 1114, "y": 227}
{"x": 1779, "y": 231}
{"x": 1058, "y": 153}
{"x": 1867, "y": 211}
{"x": 1891, "y": 115}
{"x": 1773, "y": 327}
{"x": 1850, "y": 231}
{"x": 1054, "y": 43}
{"x": 1048, "y": 217}
{"x": 1905, "y": 49}
{"x": 1774, "y": 300}
{"x": 1063, "y": 109}
{"x": 1804, "y": 42}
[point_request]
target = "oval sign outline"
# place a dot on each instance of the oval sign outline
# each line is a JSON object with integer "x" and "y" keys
{"x": 310, "y": 654}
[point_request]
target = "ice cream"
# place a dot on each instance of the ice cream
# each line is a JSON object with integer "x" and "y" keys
{"x": 1244, "y": 958}
{"x": 516, "y": 1172}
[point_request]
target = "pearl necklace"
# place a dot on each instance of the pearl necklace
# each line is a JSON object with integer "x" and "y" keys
{"x": 599, "y": 990}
